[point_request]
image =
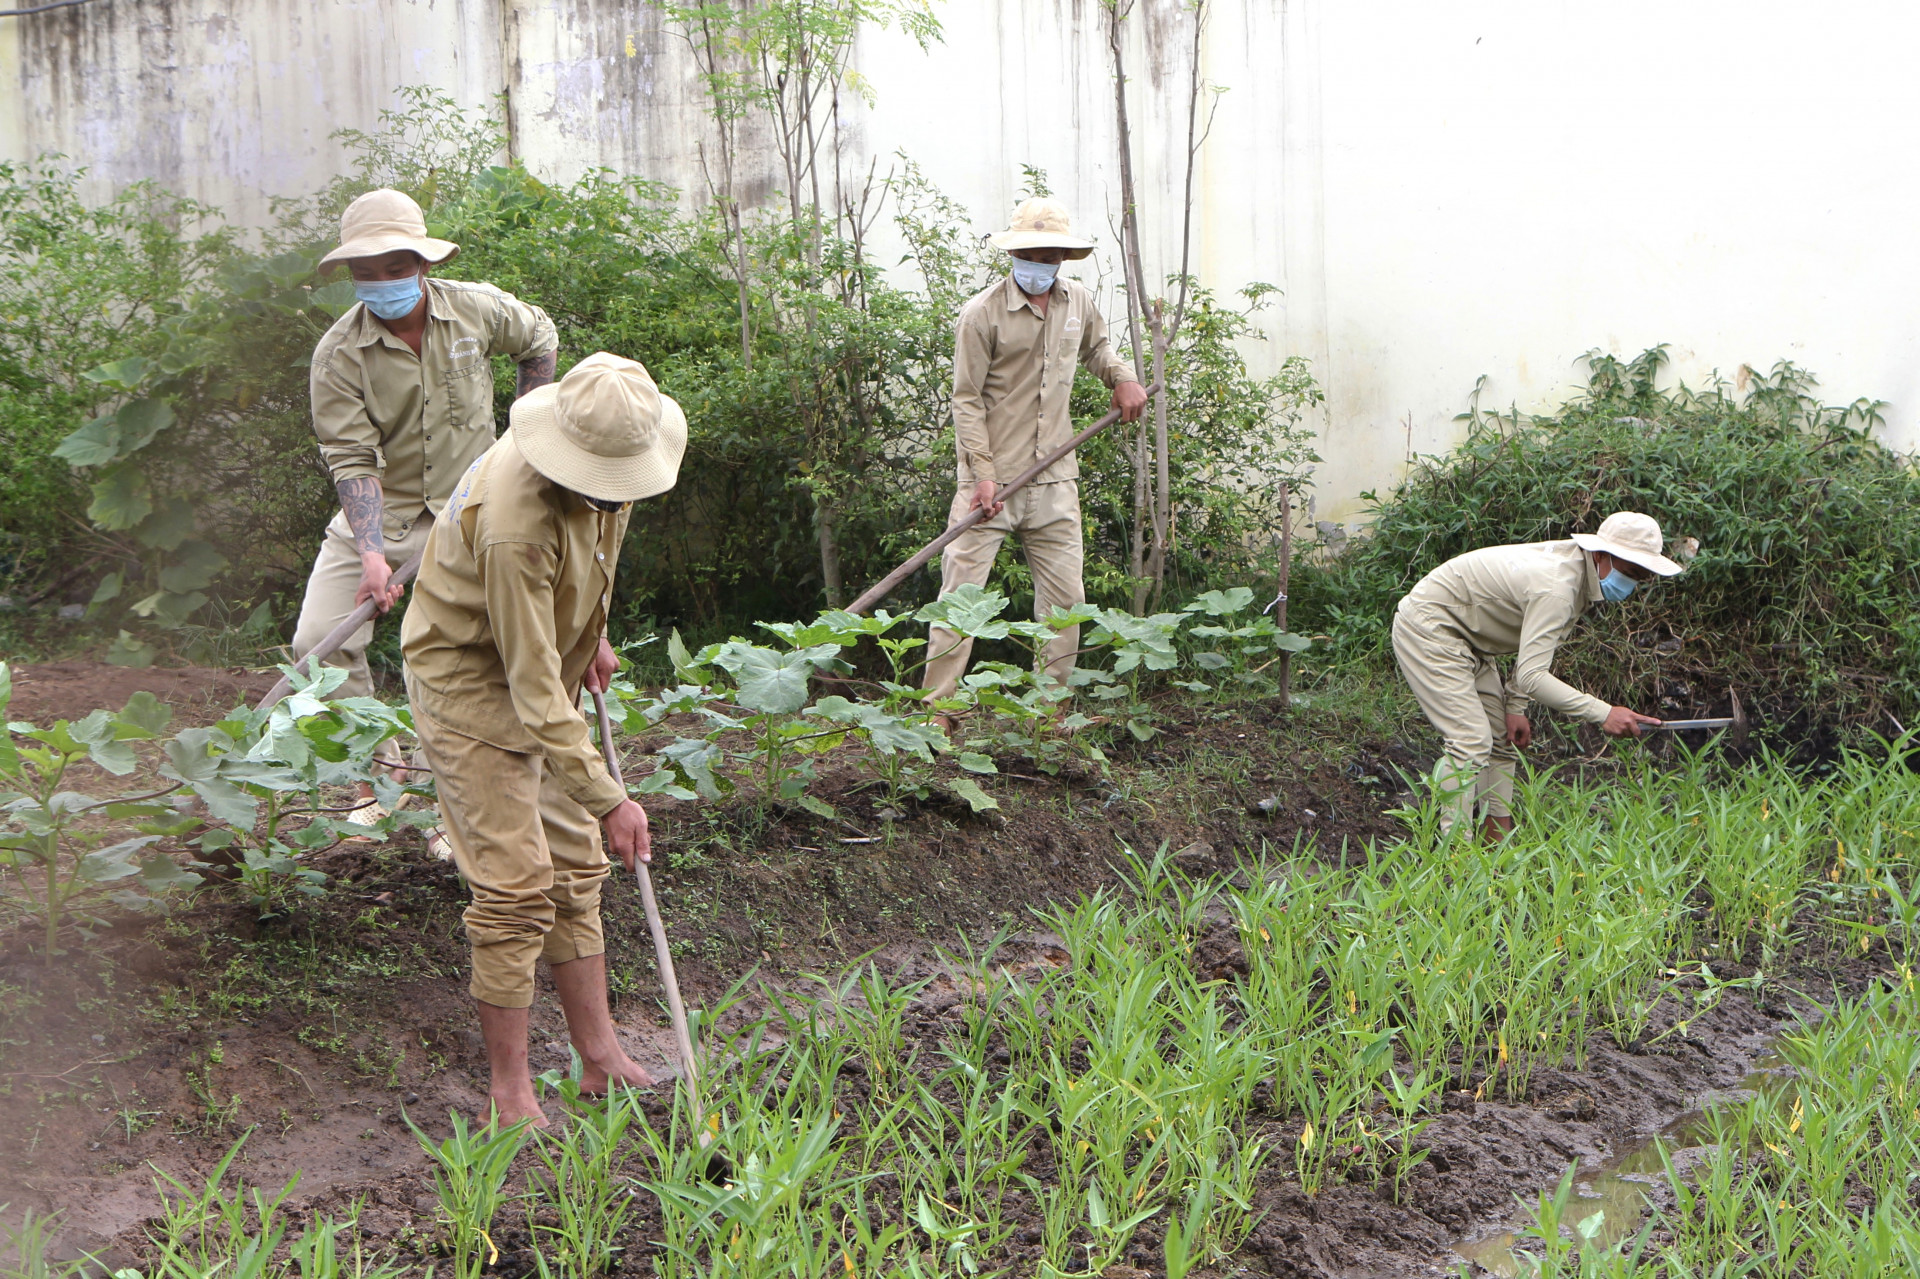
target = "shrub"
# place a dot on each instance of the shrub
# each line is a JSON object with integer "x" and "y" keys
{"x": 1804, "y": 593}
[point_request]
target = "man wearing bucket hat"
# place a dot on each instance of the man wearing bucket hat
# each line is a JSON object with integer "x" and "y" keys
{"x": 508, "y": 621}
{"x": 1014, "y": 355}
{"x": 402, "y": 394}
{"x": 1520, "y": 600}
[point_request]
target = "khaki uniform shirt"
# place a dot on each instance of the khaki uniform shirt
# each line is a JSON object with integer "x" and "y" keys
{"x": 1515, "y": 599}
{"x": 508, "y": 613}
{"x": 416, "y": 422}
{"x": 1013, "y": 374}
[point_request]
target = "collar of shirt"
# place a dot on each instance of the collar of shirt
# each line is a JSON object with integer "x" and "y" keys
{"x": 1017, "y": 297}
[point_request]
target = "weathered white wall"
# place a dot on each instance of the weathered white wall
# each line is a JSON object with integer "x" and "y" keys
{"x": 1442, "y": 190}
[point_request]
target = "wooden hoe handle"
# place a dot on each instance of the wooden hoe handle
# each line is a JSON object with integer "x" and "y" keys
{"x": 884, "y": 587}
{"x": 339, "y": 635}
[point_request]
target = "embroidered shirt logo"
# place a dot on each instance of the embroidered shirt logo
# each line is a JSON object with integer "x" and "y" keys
{"x": 465, "y": 350}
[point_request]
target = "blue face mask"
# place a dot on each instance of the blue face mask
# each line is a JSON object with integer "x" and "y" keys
{"x": 389, "y": 299}
{"x": 1616, "y": 586}
{"x": 1034, "y": 278}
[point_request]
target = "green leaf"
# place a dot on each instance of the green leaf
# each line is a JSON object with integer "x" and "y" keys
{"x": 770, "y": 682}
{"x": 122, "y": 375}
{"x": 1288, "y": 642}
{"x": 817, "y": 806}
{"x": 195, "y": 565}
{"x": 228, "y": 804}
{"x": 968, "y": 611}
{"x": 108, "y": 864}
{"x": 661, "y": 782}
{"x": 161, "y": 874}
{"x": 968, "y": 789}
{"x": 170, "y": 610}
{"x": 170, "y": 524}
{"x": 6, "y": 685}
{"x": 683, "y": 664}
{"x": 1141, "y": 729}
{"x": 1224, "y": 603}
{"x": 975, "y": 762}
{"x": 146, "y": 714}
{"x": 109, "y": 589}
{"x": 140, "y": 421}
{"x": 128, "y": 651}
{"x": 1212, "y": 661}
{"x": 95, "y": 444}
{"x": 121, "y": 499}
{"x": 335, "y": 299}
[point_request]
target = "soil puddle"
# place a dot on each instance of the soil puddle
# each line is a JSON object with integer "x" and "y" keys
{"x": 1617, "y": 1190}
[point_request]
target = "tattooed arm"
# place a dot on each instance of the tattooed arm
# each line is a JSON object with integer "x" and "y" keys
{"x": 536, "y": 370}
{"x": 363, "y": 503}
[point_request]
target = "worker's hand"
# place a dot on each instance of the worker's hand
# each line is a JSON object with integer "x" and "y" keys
{"x": 376, "y": 582}
{"x": 1622, "y": 722}
{"x": 1519, "y": 731}
{"x": 627, "y": 838}
{"x": 1129, "y": 398}
{"x": 601, "y": 670}
{"x": 983, "y": 494}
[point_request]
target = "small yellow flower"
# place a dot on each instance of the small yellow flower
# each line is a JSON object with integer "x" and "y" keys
{"x": 1306, "y": 1137}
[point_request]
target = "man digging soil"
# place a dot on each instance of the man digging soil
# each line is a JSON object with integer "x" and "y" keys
{"x": 402, "y": 391}
{"x": 508, "y": 622}
{"x": 1523, "y": 600}
{"x": 1013, "y": 361}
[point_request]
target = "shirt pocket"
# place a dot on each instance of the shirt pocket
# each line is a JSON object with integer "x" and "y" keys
{"x": 470, "y": 396}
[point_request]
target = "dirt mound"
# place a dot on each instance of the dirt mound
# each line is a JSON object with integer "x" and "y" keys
{"x": 68, "y": 690}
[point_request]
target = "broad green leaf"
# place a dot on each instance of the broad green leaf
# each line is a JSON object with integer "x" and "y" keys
{"x": 95, "y": 444}
{"x": 661, "y": 782}
{"x": 194, "y": 565}
{"x": 121, "y": 499}
{"x": 170, "y": 610}
{"x": 169, "y": 525}
{"x": 770, "y": 682}
{"x": 695, "y": 761}
{"x": 116, "y": 757}
{"x": 228, "y": 804}
{"x": 161, "y": 874}
{"x": 122, "y": 375}
{"x": 1224, "y": 603}
{"x": 145, "y": 714}
{"x": 1289, "y": 642}
{"x": 975, "y": 762}
{"x": 335, "y": 299}
{"x": 968, "y": 789}
{"x": 683, "y": 666}
{"x": 108, "y": 864}
{"x": 109, "y": 589}
{"x": 140, "y": 421}
{"x": 128, "y": 651}
{"x": 1212, "y": 661}
{"x": 6, "y": 686}
{"x": 969, "y": 611}
{"x": 1141, "y": 729}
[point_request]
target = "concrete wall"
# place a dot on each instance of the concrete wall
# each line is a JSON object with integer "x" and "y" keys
{"x": 1443, "y": 191}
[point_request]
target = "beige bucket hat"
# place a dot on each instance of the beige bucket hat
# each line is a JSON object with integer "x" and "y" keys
{"x": 1633, "y": 537}
{"x": 604, "y": 430}
{"x": 1042, "y": 223}
{"x": 382, "y": 221}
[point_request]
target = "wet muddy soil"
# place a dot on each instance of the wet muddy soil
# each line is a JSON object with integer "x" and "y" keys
{"x": 159, "y": 1042}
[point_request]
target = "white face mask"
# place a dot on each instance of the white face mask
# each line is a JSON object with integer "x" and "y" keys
{"x": 1034, "y": 278}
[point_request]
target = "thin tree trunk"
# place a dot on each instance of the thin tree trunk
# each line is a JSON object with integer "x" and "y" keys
{"x": 1162, "y": 475}
{"x": 1143, "y": 513}
{"x": 1280, "y": 599}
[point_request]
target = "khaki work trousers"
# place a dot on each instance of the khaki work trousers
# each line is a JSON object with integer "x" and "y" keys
{"x": 329, "y": 598}
{"x": 530, "y": 855}
{"x": 1046, "y": 517}
{"x": 1464, "y": 697}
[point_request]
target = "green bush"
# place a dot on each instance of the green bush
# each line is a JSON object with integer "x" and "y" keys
{"x": 819, "y": 443}
{"x": 1804, "y": 595}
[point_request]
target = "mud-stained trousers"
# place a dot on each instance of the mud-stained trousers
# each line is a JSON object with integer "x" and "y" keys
{"x": 530, "y": 854}
{"x": 1046, "y": 518}
{"x": 329, "y": 598}
{"x": 1464, "y": 697}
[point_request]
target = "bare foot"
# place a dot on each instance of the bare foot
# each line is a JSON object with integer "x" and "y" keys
{"x": 617, "y": 1071}
{"x": 510, "y": 1108}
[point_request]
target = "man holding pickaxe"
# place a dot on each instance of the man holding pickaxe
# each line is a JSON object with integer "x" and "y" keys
{"x": 402, "y": 390}
{"x": 1521, "y": 600}
{"x": 1017, "y": 345}
{"x": 508, "y": 623}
